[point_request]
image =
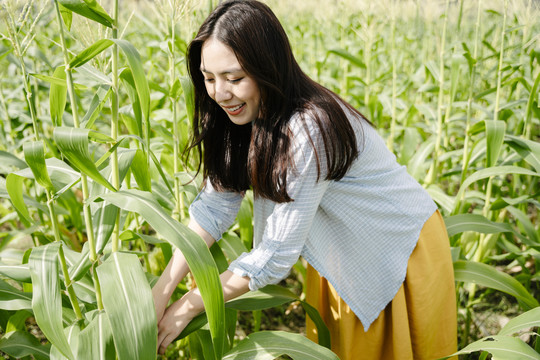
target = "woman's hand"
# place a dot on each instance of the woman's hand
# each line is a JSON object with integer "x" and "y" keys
{"x": 176, "y": 318}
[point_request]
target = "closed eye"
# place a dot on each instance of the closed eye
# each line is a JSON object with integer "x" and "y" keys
{"x": 234, "y": 81}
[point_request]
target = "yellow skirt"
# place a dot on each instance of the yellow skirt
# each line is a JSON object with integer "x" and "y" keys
{"x": 419, "y": 323}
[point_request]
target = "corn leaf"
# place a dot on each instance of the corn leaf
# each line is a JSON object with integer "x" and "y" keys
{"x": 139, "y": 78}
{"x": 493, "y": 171}
{"x": 189, "y": 95}
{"x": 35, "y": 158}
{"x": 501, "y": 347}
{"x": 474, "y": 222}
{"x": 11, "y": 160}
{"x": 529, "y": 150}
{"x": 47, "y": 300}
{"x": 73, "y": 143}
{"x": 96, "y": 341}
{"x": 13, "y": 299}
{"x": 488, "y": 276}
{"x": 16, "y": 272}
{"x": 21, "y": 343}
{"x": 127, "y": 79}
{"x": 14, "y": 187}
{"x": 128, "y": 301}
{"x": 495, "y": 131}
{"x": 72, "y": 335}
{"x": 139, "y": 169}
{"x": 193, "y": 248}
{"x": 57, "y": 97}
{"x": 90, "y": 9}
{"x": 524, "y": 321}
{"x": 271, "y": 344}
{"x": 90, "y": 52}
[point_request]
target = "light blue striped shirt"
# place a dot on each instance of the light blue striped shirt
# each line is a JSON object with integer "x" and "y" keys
{"x": 357, "y": 232}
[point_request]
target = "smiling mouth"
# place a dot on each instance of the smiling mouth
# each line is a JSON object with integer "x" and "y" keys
{"x": 234, "y": 110}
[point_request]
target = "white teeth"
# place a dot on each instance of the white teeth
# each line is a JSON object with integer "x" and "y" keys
{"x": 235, "y": 108}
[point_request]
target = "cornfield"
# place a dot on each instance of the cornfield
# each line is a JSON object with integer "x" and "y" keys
{"x": 94, "y": 188}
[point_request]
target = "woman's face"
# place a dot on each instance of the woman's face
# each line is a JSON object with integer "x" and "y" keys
{"x": 228, "y": 84}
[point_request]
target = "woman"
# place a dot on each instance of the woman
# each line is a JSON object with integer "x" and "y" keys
{"x": 325, "y": 188}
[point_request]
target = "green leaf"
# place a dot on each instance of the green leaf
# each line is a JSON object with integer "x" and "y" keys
{"x": 13, "y": 299}
{"x": 493, "y": 171}
{"x": 21, "y": 343}
{"x": 139, "y": 168}
{"x": 127, "y": 78}
{"x": 16, "y": 272}
{"x": 72, "y": 335}
{"x": 189, "y": 95}
{"x": 73, "y": 143}
{"x": 90, "y": 52}
{"x": 90, "y": 9}
{"x": 193, "y": 248}
{"x": 35, "y": 158}
{"x": 11, "y": 160}
{"x": 47, "y": 299}
{"x": 96, "y": 340}
{"x": 57, "y": 97}
{"x": 474, "y": 222}
{"x": 524, "y": 321}
{"x": 128, "y": 301}
{"x": 67, "y": 16}
{"x": 348, "y": 56}
{"x": 488, "y": 276}
{"x": 14, "y": 187}
{"x": 501, "y": 347}
{"x": 527, "y": 149}
{"x": 495, "y": 131}
{"x": 137, "y": 70}
{"x": 104, "y": 221}
{"x": 99, "y": 99}
{"x": 271, "y": 344}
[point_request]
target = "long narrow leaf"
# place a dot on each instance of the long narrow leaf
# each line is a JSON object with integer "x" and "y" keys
{"x": 495, "y": 137}
{"x": 474, "y": 222}
{"x": 14, "y": 187}
{"x": 21, "y": 343}
{"x": 73, "y": 143}
{"x": 193, "y": 248}
{"x": 57, "y": 97}
{"x": 524, "y": 321}
{"x": 485, "y": 275}
{"x": 128, "y": 301}
{"x": 493, "y": 171}
{"x": 13, "y": 299}
{"x": 35, "y": 158}
{"x": 271, "y": 344}
{"x": 96, "y": 341}
{"x": 90, "y": 52}
{"x": 46, "y": 300}
{"x": 90, "y": 9}
{"x": 501, "y": 347}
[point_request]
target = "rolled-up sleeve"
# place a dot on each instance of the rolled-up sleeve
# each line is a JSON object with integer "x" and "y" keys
{"x": 215, "y": 211}
{"x": 287, "y": 228}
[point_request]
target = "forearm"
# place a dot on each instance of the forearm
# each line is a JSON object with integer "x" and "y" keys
{"x": 177, "y": 267}
{"x": 233, "y": 286}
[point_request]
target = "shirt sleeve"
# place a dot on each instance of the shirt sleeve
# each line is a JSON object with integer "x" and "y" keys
{"x": 288, "y": 226}
{"x": 215, "y": 211}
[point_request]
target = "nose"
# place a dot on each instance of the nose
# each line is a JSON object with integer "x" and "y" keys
{"x": 221, "y": 91}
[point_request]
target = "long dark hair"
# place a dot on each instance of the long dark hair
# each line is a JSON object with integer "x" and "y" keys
{"x": 235, "y": 157}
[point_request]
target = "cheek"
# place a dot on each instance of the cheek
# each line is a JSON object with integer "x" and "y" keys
{"x": 209, "y": 90}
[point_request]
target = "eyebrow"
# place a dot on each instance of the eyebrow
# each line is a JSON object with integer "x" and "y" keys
{"x": 226, "y": 72}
